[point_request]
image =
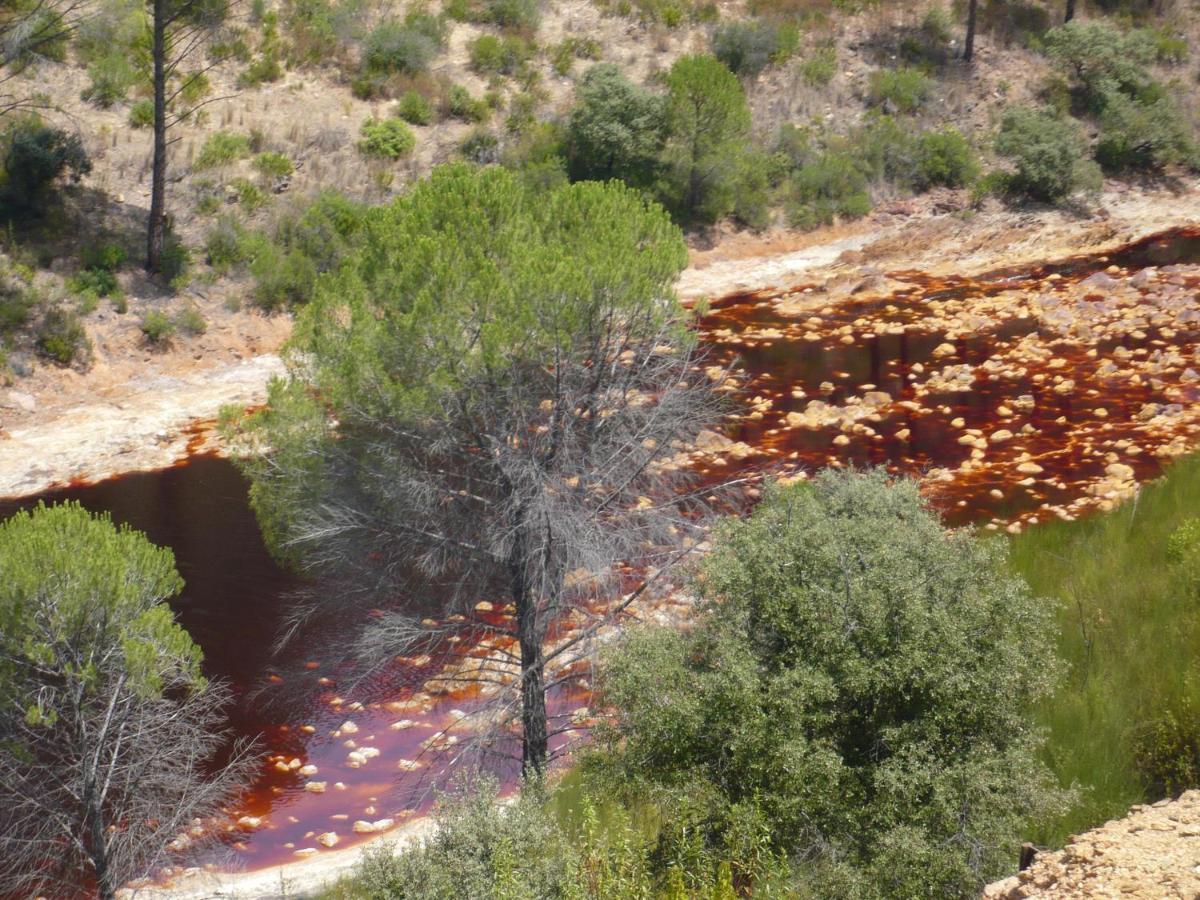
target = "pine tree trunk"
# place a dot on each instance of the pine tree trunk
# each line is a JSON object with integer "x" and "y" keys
{"x": 534, "y": 739}
{"x": 1070, "y": 11}
{"x": 969, "y": 45}
{"x": 98, "y": 850}
{"x": 157, "y": 229}
{"x": 530, "y": 634}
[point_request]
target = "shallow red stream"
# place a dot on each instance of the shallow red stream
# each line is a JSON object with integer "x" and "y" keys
{"x": 877, "y": 368}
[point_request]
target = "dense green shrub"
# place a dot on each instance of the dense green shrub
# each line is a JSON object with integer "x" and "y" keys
{"x": 886, "y": 149}
{"x": 493, "y": 55}
{"x": 616, "y": 129}
{"x": 1143, "y": 133}
{"x": 17, "y": 301}
{"x": 945, "y": 158}
{"x": 858, "y": 684}
{"x": 268, "y": 65}
{"x": 193, "y": 87}
{"x": 1166, "y": 751}
{"x": 141, "y": 114}
{"x": 1142, "y": 127}
{"x": 97, "y": 278}
{"x": 39, "y": 32}
{"x": 1050, "y": 154}
{"x": 248, "y": 194}
{"x": 271, "y": 164}
{"x": 523, "y": 112}
{"x": 96, "y": 282}
{"x": 113, "y": 26}
{"x": 157, "y": 327}
{"x": 175, "y": 261}
{"x": 111, "y": 76}
{"x": 318, "y": 29}
{"x": 35, "y": 157}
{"x": 406, "y": 48}
{"x": 286, "y": 260}
{"x": 900, "y": 90}
{"x": 1100, "y": 59}
{"x": 222, "y": 148}
{"x": 1170, "y": 47}
{"x": 387, "y": 138}
{"x": 190, "y": 320}
{"x": 928, "y": 45}
{"x": 227, "y": 245}
{"x": 413, "y": 108}
{"x": 459, "y": 104}
{"x": 107, "y": 256}
{"x": 1183, "y": 544}
{"x": 62, "y": 338}
{"x": 266, "y": 68}
{"x": 829, "y": 187}
{"x": 479, "y": 846}
{"x": 748, "y": 47}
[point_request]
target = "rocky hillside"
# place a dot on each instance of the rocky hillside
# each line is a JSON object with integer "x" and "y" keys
{"x": 1154, "y": 852}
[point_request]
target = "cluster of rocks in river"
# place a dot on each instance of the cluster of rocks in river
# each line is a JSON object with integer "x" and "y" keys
{"x": 1154, "y": 852}
{"x": 1030, "y": 401}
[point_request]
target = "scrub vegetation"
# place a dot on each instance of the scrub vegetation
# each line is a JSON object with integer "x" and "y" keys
{"x": 476, "y": 212}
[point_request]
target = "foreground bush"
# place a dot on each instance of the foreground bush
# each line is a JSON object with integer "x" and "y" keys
{"x": 859, "y": 682}
{"x": 563, "y": 847}
{"x": 110, "y": 728}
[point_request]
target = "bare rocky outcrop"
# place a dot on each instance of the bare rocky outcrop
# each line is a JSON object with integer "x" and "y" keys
{"x": 1154, "y": 852}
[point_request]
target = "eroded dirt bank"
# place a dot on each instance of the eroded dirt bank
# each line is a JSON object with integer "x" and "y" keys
{"x": 136, "y": 411}
{"x": 1151, "y": 853}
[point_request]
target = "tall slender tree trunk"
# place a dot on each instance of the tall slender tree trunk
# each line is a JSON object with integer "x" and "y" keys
{"x": 157, "y": 229}
{"x": 969, "y": 45}
{"x": 530, "y": 634}
{"x": 1070, "y": 11}
{"x": 98, "y": 850}
{"x": 534, "y": 737}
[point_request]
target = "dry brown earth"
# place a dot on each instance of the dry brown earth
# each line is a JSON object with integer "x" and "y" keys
{"x": 1151, "y": 854}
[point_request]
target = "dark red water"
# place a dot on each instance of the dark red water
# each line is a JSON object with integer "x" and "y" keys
{"x": 885, "y": 348}
{"x": 1049, "y": 372}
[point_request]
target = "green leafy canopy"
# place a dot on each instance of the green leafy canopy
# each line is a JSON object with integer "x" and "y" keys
{"x": 863, "y": 679}
{"x": 78, "y": 595}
